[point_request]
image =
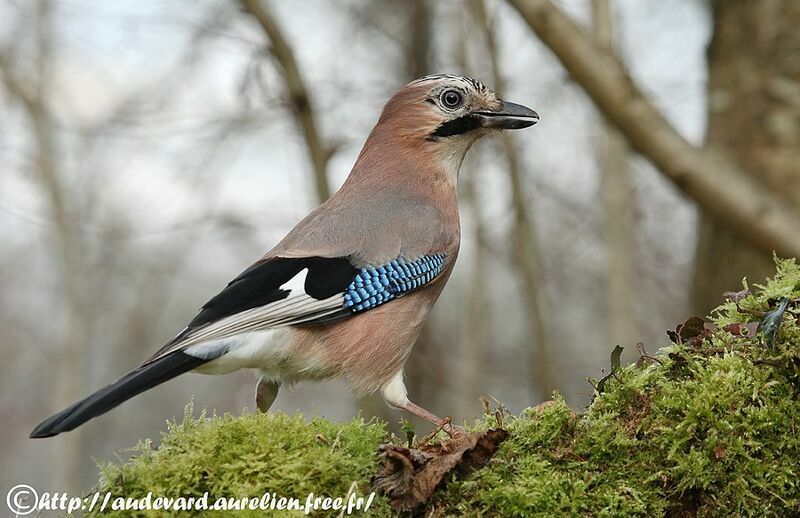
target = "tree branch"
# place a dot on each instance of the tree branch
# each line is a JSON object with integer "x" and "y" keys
{"x": 299, "y": 95}
{"x": 717, "y": 185}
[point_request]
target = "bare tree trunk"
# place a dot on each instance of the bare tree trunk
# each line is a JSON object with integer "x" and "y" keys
{"x": 617, "y": 196}
{"x": 75, "y": 335}
{"x": 299, "y": 94}
{"x": 425, "y": 358}
{"x": 754, "y": 116}
{"x": 524, "y": 240}
{"x": 417, "y": 58}
{"x": 714, "y": 180}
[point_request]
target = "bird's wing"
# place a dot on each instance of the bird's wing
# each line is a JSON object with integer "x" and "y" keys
{"x": 275, "y": 291}
{"x": 281, "y": 291}
{"x": 342, "y": 259}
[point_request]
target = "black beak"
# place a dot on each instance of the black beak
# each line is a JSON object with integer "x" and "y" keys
{"x": 509, "y": 116}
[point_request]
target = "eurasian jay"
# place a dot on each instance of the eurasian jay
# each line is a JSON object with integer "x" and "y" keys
{"x": 346, "y": 292}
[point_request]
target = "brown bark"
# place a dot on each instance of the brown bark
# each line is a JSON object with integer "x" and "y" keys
{"x": 754, "y": 116}
{"x": 718, "y": 183}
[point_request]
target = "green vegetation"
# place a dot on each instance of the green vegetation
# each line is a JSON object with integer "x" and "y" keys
{"x": 709, "y": 427}
{"x": 248, "y": 456}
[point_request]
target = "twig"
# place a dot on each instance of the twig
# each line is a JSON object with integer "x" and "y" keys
{"x": 444, "y": 425}
{"x": 350, "y": 490}
{"x": 336, "y": 440}
{"x": 643, "y": 353}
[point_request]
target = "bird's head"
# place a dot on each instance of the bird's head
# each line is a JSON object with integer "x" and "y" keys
{"x": 446, "y": 114}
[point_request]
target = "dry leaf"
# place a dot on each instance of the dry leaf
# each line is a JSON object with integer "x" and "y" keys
{"x": 692, "y": 332}
{"x": 408, "y": 476}
{"x": 742, "y": 329}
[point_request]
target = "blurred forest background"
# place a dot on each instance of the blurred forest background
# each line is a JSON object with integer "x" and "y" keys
{"x": 150, "y": 151}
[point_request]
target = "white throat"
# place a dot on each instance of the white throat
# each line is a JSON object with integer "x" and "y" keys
{"x": 450, "y": 154}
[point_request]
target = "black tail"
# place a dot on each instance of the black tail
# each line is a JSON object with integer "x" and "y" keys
{"x": 133, "y": 383}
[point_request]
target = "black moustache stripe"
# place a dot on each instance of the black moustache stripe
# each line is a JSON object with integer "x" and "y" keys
{"x": 457, "y": 126}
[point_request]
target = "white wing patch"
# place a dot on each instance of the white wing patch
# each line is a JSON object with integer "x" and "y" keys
{"x": 297, "y": 308}
{"x": 296, "y": 283}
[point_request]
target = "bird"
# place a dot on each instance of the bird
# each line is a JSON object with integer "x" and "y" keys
{"x": 345, "y": 293}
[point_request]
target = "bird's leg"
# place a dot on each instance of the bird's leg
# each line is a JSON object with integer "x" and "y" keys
{"x": 420, "y": 412}
{"x": 395, "y": 395}
{"x": 266, "y": 392}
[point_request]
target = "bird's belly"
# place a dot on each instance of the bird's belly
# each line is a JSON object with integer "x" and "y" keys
{"x": 367, "y": 349}
{"x": 270, "y": 351}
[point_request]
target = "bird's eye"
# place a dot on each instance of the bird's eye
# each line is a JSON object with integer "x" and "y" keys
{"x": 452, "y": 99}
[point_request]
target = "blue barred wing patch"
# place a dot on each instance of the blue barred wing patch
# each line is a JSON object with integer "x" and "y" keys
{"x": 377, "y": 285}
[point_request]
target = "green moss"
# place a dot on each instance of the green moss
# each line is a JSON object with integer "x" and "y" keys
{"x": 247, "y": 456}
{"x": 709, "y": 428}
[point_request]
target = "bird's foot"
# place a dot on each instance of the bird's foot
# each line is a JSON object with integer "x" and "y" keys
{"x": 454, "y": 430}
{"x": 441, "y": 424}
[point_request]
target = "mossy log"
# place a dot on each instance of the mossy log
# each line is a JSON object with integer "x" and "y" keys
{"x": 708, "y": 426}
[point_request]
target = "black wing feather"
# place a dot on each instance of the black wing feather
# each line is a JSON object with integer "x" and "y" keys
{"x": 260, "y": 285}
{"x": 257, "y": 286}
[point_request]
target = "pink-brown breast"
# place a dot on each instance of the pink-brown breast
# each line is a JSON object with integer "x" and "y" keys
{"x": 399, "y": 201}
{"x": 368, "y": 349}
